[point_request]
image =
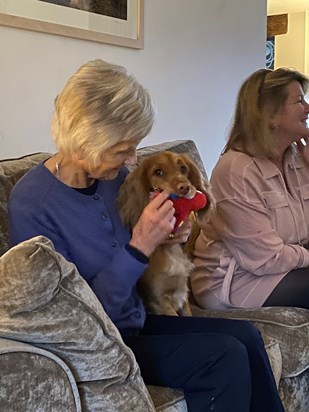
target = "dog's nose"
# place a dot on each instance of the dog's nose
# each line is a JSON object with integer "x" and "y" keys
{"x": 183, "y": 188}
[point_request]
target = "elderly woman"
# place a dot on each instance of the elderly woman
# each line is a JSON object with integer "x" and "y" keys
{"x": 253, "y": 252}
{"x": 101, "y": 116}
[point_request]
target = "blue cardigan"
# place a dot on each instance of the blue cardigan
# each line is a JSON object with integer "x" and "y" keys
{"x": 87, "y": 231}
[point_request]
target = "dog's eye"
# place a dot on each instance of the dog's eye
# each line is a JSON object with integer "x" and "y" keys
{"x": 158, "y": 172}
{"x": 183, "y": 169}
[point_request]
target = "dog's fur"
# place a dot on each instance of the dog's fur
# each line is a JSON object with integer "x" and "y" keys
{"x": 164, "y": 285}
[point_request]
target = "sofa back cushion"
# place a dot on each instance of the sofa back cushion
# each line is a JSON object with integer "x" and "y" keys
{"x": 11, "y": 171}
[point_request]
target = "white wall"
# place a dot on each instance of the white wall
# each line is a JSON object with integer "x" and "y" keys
{"x": 196, "y": 54}
{"x": 291, "y": 48}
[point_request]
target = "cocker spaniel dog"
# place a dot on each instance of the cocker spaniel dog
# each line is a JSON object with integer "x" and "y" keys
{"x": 164, "y": 284}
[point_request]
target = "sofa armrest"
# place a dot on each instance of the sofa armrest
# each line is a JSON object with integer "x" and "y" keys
{"x": 33, "y": 379}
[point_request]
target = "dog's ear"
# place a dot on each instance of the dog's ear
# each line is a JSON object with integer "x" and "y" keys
{"x": 201, "y": 183}
{"x": 195, "y": 175}
{"x": 133, "y": 196}
{"x": 211, "y": 203}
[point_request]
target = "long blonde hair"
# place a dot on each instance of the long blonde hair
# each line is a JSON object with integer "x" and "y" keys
{"x": 260, "y": 97}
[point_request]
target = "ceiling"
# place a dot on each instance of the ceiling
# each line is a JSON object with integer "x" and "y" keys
{"x": 286, "y": 6}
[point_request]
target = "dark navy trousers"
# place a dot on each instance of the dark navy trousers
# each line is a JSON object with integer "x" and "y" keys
{"x": 292, "y": 290}
{"x": 220, "y": 364}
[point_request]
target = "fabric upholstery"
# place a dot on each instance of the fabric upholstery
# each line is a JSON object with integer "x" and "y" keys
{"x": 167, "y": 399}
{"x": 43, "y": 300}
{"x": 51, "y": 388}
{"x": 294, "y": 392}
{"x": 11, "y": 171}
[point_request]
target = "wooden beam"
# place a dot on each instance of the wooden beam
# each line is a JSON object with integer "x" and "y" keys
{"x": 277, "y": 24}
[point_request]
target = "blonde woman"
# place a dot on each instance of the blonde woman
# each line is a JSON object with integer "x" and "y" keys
{"x": 253, "y": 252}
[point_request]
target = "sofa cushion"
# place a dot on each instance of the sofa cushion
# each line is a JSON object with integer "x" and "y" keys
{"x": 45, "y": 302}
{"x": 167, "y": 399}
{"x": 11, "y": 171}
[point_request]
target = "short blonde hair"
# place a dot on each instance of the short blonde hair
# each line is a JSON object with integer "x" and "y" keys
{"x": 260, "y": 97}
{"x": 101, "y": 105}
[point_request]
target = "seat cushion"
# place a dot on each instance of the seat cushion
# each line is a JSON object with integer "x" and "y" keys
{"x": 45, "y": 302}
{"x": 167, "y": 399}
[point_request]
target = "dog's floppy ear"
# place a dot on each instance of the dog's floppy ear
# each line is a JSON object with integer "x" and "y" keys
{"x": 195, "y": 175}
{"x": 201, "y": 183}
{"x": 133, "y": 196}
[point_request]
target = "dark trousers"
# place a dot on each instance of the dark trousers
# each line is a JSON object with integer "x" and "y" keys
{"x": 220, "y": 364}
{"x": 292, "y": 290}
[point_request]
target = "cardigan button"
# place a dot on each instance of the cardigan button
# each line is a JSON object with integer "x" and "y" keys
{"x": 96, "y": 197}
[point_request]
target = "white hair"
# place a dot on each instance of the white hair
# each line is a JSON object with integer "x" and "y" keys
{"x": 101, "y": 105}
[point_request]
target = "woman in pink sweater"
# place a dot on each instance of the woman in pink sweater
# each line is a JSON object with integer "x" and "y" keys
{"x": 253, "y": 252}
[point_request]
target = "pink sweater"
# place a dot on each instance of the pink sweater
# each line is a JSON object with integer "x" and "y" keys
{"x": 256, "y": 235}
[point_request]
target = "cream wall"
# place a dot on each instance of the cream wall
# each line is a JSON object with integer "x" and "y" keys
{"x": 291, "y": 49}
{"x": 196, "y": 55}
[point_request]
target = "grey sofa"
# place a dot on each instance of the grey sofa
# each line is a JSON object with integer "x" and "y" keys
{"x": 60, "y": 352}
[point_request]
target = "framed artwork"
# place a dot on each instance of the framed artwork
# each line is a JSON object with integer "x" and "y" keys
{"x": 118, "y": 22}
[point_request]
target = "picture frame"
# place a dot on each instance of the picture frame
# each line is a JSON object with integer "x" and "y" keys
{"x": 46, "y": 17}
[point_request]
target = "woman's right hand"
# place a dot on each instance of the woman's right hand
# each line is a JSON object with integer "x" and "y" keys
{"x": 154, "y": 225}
{"x": 303, "y": 147}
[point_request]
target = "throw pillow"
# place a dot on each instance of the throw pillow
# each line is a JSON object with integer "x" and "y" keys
{"x": 45, "y": 302}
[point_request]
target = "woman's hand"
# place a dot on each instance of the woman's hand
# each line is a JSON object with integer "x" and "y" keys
{"x": 154, "y": 225}
{"x": 182, "y": 234}
{"x": 303, "y": 147}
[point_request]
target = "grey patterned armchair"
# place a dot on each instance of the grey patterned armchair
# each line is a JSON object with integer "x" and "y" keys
{"x": 60, "y": 352}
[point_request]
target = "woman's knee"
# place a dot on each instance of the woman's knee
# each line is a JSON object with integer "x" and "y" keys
{"x": 232, "y": 356}
{"x": 236, "y": 351}
{"x": 249, "y": 335}
{"x": 228, "y": 355}
{"x": 222, "y": 380}
{"x": 223, "y": 352}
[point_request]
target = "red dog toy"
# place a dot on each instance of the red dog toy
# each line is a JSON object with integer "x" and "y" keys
{"x": 184, "y": 206}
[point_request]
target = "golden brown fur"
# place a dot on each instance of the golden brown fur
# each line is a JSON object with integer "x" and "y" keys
{"x": 164, "y": 285}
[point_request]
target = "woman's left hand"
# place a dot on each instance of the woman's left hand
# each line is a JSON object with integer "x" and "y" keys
{"x": 182, "y": 234}
{"x": 303, "y": 147}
